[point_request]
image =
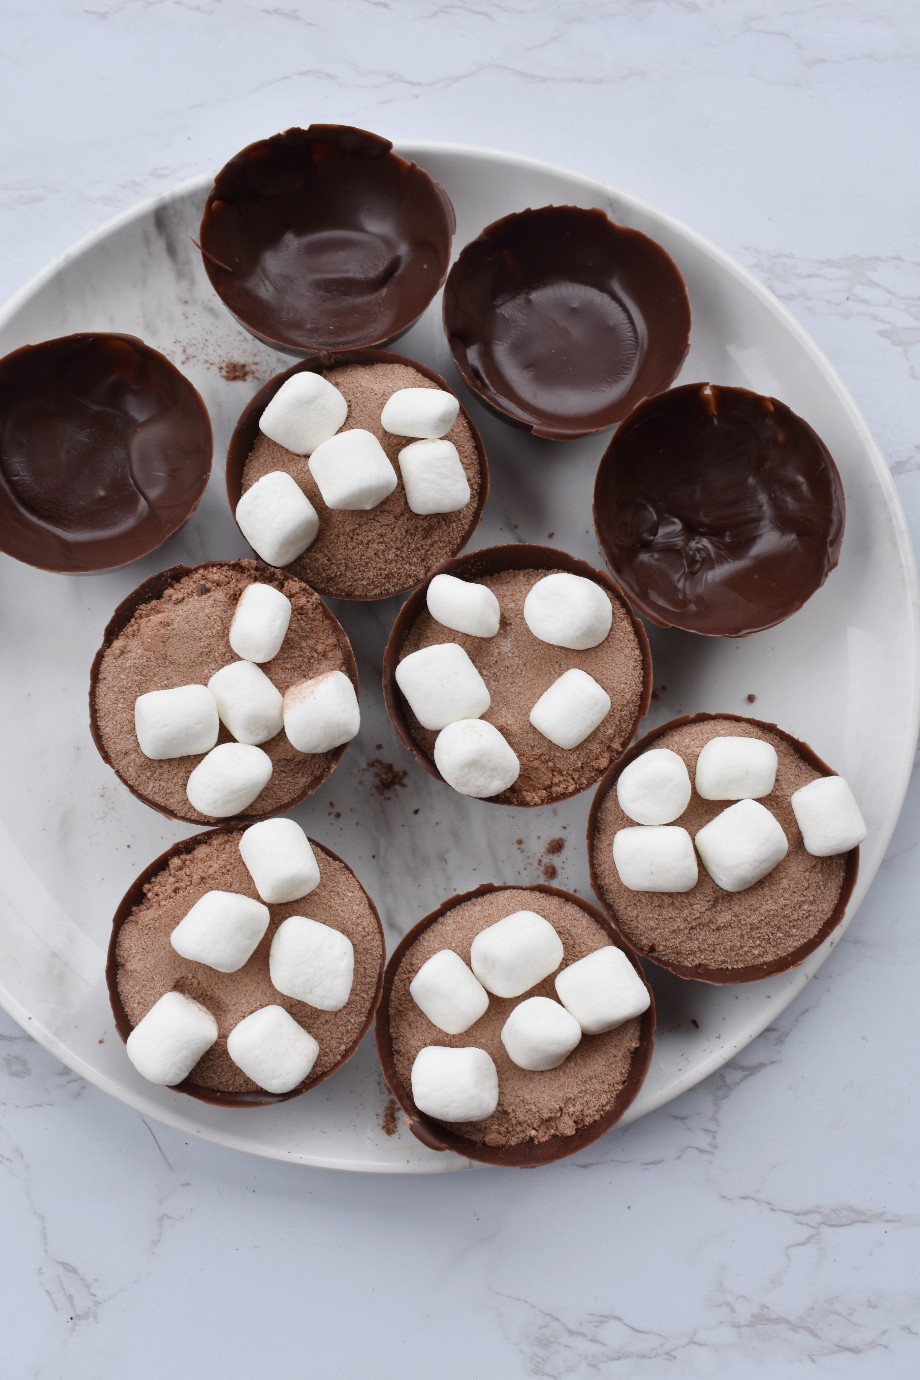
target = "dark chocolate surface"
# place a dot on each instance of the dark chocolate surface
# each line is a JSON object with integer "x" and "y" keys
{"x": 720, "y": 511}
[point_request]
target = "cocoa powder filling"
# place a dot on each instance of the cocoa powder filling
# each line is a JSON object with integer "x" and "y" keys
{"x": 148, "y": 965}
{"x": 707, "y": 926}
{"x": 182, "y": 638}
{"x": 532, "y": 1106}
{"x": 389, "y": 548}
{"x": 517, "y": 667}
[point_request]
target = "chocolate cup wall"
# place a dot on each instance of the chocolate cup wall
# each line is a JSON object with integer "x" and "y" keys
{"x": 473, "y": 566}
{"x": 153, "y": 588}
{"x": 139, "y": 412}
{"x": 560, "y": 252}
{"x": 717, "y": 977}
{"x": 767, "y": 541}
{"x": 246, "y": 432}
{"x": 287, "y": 198}
{"x": 133, "y": 897}
{"x": 438, "y": 1135}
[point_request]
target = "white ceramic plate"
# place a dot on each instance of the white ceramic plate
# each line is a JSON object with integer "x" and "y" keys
{"x": 842, "y": 674}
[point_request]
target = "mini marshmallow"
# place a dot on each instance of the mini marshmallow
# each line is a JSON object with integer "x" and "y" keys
{"x": 448, "y": 993}
{"x": 571, "y": 709}
{"x": 306, "y": 410}
{"x": 828, "y": 816}
{"x": 463, "y": 605}
{"x": 312, "y": 962}
{"x": 433, "y": 477}
{"x": 352, "y": 471}
{"x": 166, "y": 1045}
{"x": 655, "y": 788}
{"x": 515, "y": 953}
{"x": 655, "y": 859}
{"x": 741, "y": 845}
{"x": 249, "y": 705}
{"x": 228, "y": 779}
{"x": 734, "y": 768}
{"x": 568, "y": 611}
{"x": 602, "y": 990}
{"x": 223, "y": 930}
{"x": 260, "y": 623}
{"x": 540, "y": 1034}
{"x": 475, "y": 758}
{"x": 428, "y": 413}
{"x": 442, "y": 685}
{"x": 277, "y": 519}
{"x": 454, "y": 1084}
{"x": 176, "y": 723}
{"x": 322, "y": 713}
{"x": 280, "y": 860}
{"x": 272, "y": 1049}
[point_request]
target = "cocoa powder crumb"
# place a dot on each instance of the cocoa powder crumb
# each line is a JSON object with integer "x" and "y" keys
{"x": 388, "y": 1123}
{"x": 549, "y": 872}
{"x": 236, "y": 371}
{"x": 751, "y": 699}
{"x": 389, "y": 778}
{"x": 555, "y": 846}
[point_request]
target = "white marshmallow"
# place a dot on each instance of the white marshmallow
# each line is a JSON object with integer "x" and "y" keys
{"x": 475, "y": 758}
{"x": 312, "y": 962}
{"x": 248, "y": 703}
{"x": 463, "y": 605}
{"x": 540, "y": 1034}
{"x": 515, "y": 953}
{"x": 655, "y": 788}
{"x": 223, "y": 930}
{"x": 306, "y": 410}
{"x": 322, "y": 713}
{"x": 433, "y": 477}
{"x": 568, "y": 611}
{"x": 454, "y": 1084}
{"x": 352, "y": 471}
{"x": 734, "y": 768}
{"x": 828, "y": 816}
{"x": 228, "y": 779}
{"x": 166, "y": 1045}
{"x": 176, "y": 723}
{"x": 447, "y": 992}
{"x": 260, "y": 623}
{"x": 277, "y": 519}
{"x": 280, "y": 860}
{"x": 428, "y": 413}
{"x": 602, "y": 990}
{"x": 571, "y": 709}
{"x": 272, "y": 1049}
{"x": 655, "y": 859}
{"x": 741, "y": 845}
{"x": 442, "y": 685}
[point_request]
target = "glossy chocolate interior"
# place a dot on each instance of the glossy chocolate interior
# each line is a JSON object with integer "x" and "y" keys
{"x": 517, "y": 556}
{"x": 560, "y": 321}
{"x": 105, "y": 451}
{"x": 720, "y": 511}
{"x": 718, "y": 976}
{"x": 324, "y": 239}
{"x": 438, "y": 1135}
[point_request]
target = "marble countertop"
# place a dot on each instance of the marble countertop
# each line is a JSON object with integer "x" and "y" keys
{"x": 766, "y": 1223}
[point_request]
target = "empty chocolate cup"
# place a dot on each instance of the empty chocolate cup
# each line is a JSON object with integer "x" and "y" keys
{"x": 173, "y": 630}
{"x": 541, "y": 1116}
{"x": 560, "y": 321}
{"x": 517, "y": 667}
{"x": 719, "y": 511}
{"x": 388, "y": 549}
{"x": 707, "y": 934}
{"x": 105, "y": 451}
{"x": 324, "y": 239}
{"x": 142, "y": 965}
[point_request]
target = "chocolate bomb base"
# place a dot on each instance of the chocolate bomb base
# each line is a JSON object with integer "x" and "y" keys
{"x": 142, "y": 964}
{"x": 173, "y": 630}
{"x": 388, "y": 549}
{"x": 709, "y": 934}
{"x": 541, "y": 1116}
